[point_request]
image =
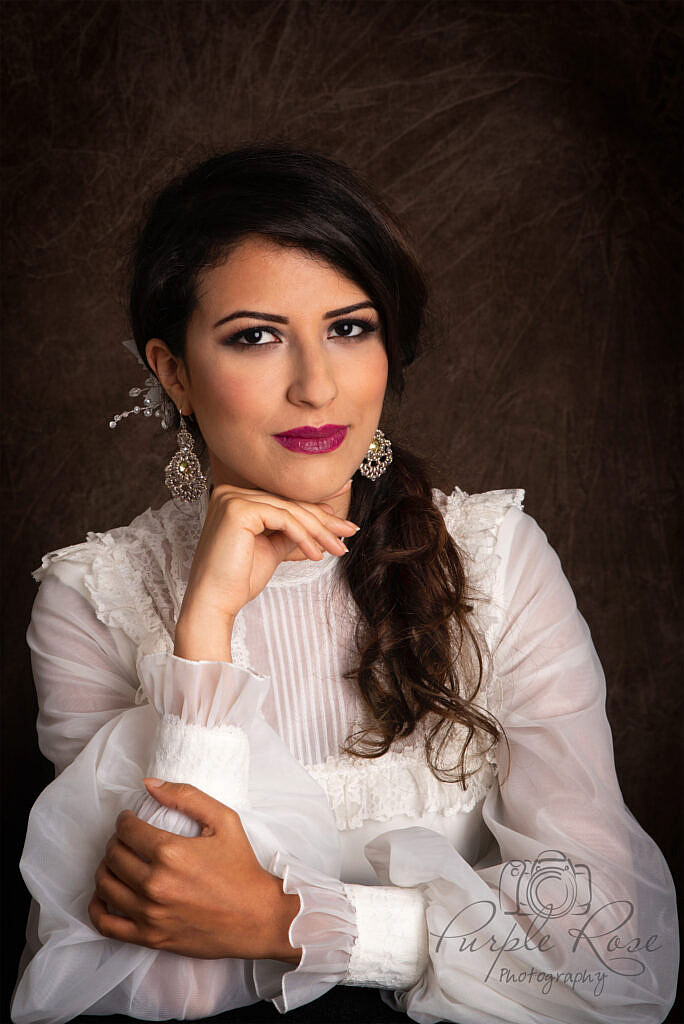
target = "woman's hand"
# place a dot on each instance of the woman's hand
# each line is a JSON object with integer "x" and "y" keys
{"x": 246, "y": 535}
{"x": 205, "y": 896}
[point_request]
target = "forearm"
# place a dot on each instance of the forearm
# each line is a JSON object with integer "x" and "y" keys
{"x": 205, "y": 635}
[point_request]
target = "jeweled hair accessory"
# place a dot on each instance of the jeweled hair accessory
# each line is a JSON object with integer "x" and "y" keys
{"x": 153, "y": 399}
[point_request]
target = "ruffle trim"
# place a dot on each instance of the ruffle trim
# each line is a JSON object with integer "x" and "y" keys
{"x": 123, "y": 568}
{"x": 325, "y": 930}
{"x": 473, "y": 521}
{"x": 204, "y": 693}
{"x": 136, "y": 575}
{"x": 397, "y": 783}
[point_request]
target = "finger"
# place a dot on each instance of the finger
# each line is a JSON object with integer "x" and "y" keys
{"x": 256, "y": 517}
{"x": 304, "y": 528}
{"x": 126, "y": 865}
{"x": 287, "y": 551}
{"x": 211, "y": 814}
{"x": 326, "y": 514}
{"x": 112, "y": 926}
{"x": 117, "y": 896}
{"x": 320, "y": 511}
{"x": 138, "y": 836}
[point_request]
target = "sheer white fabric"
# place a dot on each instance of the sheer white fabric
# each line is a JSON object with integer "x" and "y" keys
{"x": 541, "y": 829}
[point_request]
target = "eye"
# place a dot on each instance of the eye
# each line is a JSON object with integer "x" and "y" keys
{"x": 253, "y": 338}
{"x": 365, "y": 327}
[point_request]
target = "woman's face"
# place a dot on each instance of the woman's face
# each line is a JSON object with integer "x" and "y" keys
{"x": 273, "y": 346}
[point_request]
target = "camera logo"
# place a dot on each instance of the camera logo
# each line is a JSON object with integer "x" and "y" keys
{"x": 549, "y": 886}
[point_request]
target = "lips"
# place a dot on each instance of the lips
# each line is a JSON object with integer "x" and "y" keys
{"x": 327, "y": 430}
{"x": 324, "y": 439}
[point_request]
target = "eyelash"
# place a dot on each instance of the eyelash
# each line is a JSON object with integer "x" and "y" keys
{"x": 368, "y": 328}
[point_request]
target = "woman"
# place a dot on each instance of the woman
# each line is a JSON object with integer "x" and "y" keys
{"x": 369, "y": 715}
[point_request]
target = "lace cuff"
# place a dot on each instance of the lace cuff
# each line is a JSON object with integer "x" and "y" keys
{"x": 392, "y": 948}
{"x": 205, "y": 709}
{"x": 324, "y": 928}
{"x": 214, "y": 760}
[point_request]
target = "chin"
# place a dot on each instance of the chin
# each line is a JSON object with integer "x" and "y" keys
{"x": 313, "y": 487}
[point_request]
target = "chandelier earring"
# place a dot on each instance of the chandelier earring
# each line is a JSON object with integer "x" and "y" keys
{"x": 183, "y": 476}
{"x": 378, "y": 457}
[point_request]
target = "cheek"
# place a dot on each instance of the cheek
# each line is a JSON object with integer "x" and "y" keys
{"x": 371, "y": 377}
{"x": 233, "y": 397}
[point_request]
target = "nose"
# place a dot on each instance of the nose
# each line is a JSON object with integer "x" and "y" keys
{"x": 312, "y": 380}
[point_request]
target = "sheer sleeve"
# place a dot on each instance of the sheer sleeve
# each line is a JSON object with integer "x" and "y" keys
{"x": 84, "y": 671}
{"x": 571, "y": 915}
{"x": 192, "y": 721}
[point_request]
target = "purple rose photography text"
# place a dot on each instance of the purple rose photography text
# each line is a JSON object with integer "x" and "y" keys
{"x": 550, "y": 888}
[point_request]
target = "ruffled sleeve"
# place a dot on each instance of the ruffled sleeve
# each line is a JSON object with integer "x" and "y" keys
{"x": 571, "y": 914}
{"x": 111, "y": 711}
{"x": 205, "y": 710}
{"x": 325, "y": 929}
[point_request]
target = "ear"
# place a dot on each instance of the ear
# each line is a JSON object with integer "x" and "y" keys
{"x": 171, "y": 373}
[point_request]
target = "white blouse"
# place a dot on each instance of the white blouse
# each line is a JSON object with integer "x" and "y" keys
{"x": 531, "y": 896}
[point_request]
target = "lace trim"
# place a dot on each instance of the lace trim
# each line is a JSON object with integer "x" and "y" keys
{"x": 238, "y": 642}
{"x": 215, "y": 760}
{"x": 473, "y": 521}
{"x": 399, "y": 783}
{"x": 391, "y": 950}
{"x": 136, "y": 575}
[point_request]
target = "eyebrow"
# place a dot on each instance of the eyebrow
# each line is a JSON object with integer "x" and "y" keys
{"x": 284, "y": 320}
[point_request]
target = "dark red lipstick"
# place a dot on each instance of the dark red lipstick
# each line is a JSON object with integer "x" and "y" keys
{"x": 313, "y": 440}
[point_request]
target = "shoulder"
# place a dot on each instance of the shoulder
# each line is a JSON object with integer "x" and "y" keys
{"x": 166, "y": 523}
{"x": 72, "y": 562}
{"x": 130, "y": 574}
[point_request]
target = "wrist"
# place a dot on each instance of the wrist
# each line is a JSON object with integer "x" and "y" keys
{"x": 203, "y": 635}
{"x": 284, "y": 908}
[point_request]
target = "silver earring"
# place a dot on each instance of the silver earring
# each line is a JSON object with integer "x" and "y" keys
{"x": 378, "y": 457}
{"x": 184, "y": 477}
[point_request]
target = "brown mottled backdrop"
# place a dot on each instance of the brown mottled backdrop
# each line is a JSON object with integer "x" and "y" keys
{"x": 531, "y": 148}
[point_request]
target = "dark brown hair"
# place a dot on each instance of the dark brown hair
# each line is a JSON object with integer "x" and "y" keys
{"x": 419, "y": 656}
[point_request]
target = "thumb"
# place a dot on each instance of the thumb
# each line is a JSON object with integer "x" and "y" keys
{"x": 197, "y": 804}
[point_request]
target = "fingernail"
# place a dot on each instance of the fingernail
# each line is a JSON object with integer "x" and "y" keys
{"x": 154, "y": 783}
{"x": 349, "y": 523}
